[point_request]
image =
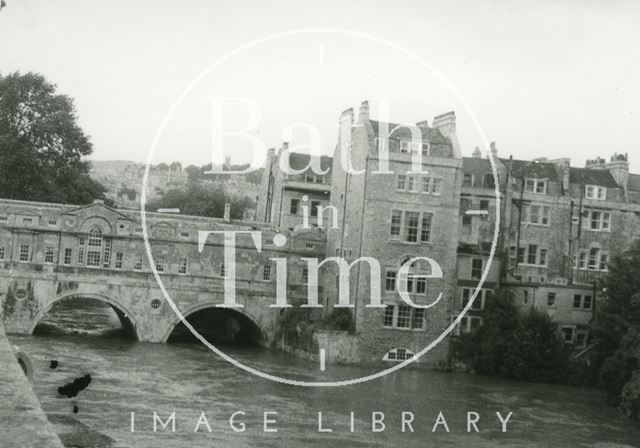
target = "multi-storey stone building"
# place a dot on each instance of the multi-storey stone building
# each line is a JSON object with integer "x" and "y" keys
{"x": 291, "y": 195}
{"x": 390, "y": 216}
{"x": 559, "y": 227}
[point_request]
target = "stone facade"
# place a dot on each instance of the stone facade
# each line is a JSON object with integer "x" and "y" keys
{"x": 49, "y": 252}
{"x": 568, "y": 224}
{"x": 559, "y": 226}
{"x": 288, "y": 199}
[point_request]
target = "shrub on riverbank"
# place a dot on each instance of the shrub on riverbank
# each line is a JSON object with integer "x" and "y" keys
{"x": 617, "y": 331}
{"x": 510, "y": 344}
{"x": 296, "y": 325}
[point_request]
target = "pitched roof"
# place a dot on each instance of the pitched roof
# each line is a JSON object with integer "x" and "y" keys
{"x": 298, "y": 161}
{"x": 587, "y": 176}
{"x": 536, "y": 170}
{"x": 479, "y": 167}
{"x": 432, "y": 135}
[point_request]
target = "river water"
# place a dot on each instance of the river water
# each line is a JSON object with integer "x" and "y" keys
{"x": 138, "y": 377}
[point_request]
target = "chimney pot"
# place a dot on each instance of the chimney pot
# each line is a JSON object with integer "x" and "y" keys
{"x": 364, "y": 112}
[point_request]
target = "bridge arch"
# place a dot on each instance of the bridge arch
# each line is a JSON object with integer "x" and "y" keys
{"x": 127, "y": 319}
{"x": 247, "y": 320}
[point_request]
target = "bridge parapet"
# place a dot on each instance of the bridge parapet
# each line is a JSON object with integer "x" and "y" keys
{"x": 51, "y": 252}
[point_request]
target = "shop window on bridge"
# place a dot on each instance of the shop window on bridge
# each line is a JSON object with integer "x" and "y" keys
{"x": 119, "y": 258}
{"x": 81, "y": 244}
{"x": 398, "y": 354}
{"x": 106, "y": 256}
{"x": 182, "y": 268}
{"x": 48, "y": 255}
{"x": 24, "y": 252}
{"x": 68, "y": 254}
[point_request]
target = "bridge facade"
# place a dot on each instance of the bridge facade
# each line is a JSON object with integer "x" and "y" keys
{"x": 54, "y": 252}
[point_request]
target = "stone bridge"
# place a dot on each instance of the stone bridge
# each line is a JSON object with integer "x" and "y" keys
{"x": 50, "y": 253}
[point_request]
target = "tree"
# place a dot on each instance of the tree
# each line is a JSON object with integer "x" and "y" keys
{"x": 513, "y": 345}
{"x": 41, "y": 144}
{"x": 617, "y": 329}
{"x": 489, "y": 349}
{"x": 202, "y": 200}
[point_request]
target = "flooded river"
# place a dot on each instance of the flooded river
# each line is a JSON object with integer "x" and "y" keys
{"x": 187, "y": 379}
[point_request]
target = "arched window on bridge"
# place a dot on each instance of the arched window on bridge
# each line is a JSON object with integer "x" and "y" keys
{"x": 94, "y": 249}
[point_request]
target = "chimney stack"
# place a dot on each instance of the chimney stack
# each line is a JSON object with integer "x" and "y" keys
{"x": 619, "y": 169}
{"x": 596, "y": 164}
{"x": 446, "y": 124}
{"x": 363, "y": 117}
{"x": 227, "y": 212}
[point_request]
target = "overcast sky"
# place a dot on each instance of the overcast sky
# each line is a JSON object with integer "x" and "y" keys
{"x": 545, "y": 79}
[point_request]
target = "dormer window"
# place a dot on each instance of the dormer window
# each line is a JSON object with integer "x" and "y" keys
{"x": 537, "y": 186}
{"x": 426, "y": 149}
{"x": 595, "y": 192}
{"x": 405, "y": 145}
{"x": 467, "y": 180}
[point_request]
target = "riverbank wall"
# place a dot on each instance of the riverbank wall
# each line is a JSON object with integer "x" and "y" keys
{"x": 23, "y": 423}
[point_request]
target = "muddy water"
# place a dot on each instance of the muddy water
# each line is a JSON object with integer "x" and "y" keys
{"x": 130, "y": 376}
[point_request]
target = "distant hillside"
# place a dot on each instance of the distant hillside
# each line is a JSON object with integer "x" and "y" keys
{"x": 123, "y": 180}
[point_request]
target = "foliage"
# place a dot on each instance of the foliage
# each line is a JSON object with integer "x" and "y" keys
{"x": 296, "y": 327}
{"x": 340, "y": 319}
{"x": 130, "y": 193}
{"x": 630, "y": 397}
{"x": 41, "y": 145}
{"x": 202, "y": 200}
{"x": 617, "y": 327}
{"x": 525, "y": 347}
